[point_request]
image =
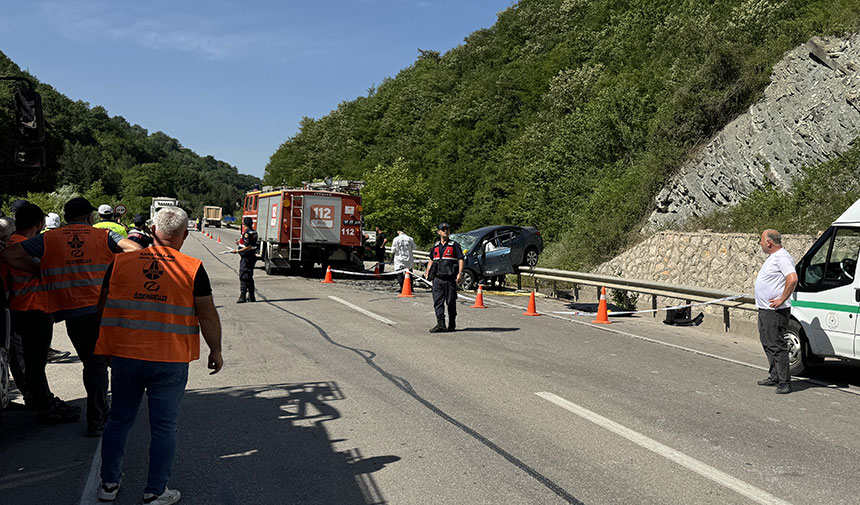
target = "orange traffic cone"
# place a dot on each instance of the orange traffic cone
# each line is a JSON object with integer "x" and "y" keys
{"x": 219, "y": 239}
{"x": 376, "y": 270}
{"x": 328, "y": 279}
{"x": 406, "y": 292}
{"x": 602, "y": 312}
{"x": 479, "y": 299}
{"x": 531, "y": 310}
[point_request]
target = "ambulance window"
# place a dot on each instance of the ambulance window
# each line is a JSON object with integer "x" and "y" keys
{"x": 834, "y": 262}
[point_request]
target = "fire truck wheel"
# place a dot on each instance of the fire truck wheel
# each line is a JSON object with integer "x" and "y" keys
{"x": 269, "y": 267}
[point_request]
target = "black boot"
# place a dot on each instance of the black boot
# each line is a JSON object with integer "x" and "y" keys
{"x": 452, "y": 323}
{"x": 241, "y": 298}
{"x": 251, "y": 297}
{"x": 440, "y": 325}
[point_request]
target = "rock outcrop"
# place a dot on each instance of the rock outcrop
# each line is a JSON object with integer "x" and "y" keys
{"x": 809, "y": 113}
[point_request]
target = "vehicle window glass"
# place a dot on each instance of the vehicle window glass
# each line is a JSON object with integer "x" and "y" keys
{"x": 843, "y": 257}
{"x": 254, "y": 198}
{"x": 506, "y": 237}
{"x": 467, "y": 242}
{"x": 812, "y": 272}
{"x": 246, "y": 204}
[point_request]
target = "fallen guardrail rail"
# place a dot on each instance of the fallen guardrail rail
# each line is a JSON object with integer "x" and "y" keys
{"x": 653, "y": 288}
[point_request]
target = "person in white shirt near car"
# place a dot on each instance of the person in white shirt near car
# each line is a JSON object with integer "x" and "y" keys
{"x": 402, "y": 248}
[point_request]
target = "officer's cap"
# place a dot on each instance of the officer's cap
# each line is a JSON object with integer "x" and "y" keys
{"x": 444, "y": 226}
{"x": 17, "y": 204}
{"x": 77, "y": 207}
{"x": 139, "y": 220}
{"x": 248, "y": 221}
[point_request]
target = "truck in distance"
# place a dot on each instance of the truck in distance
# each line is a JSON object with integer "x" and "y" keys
{"x": 212, "y": 216}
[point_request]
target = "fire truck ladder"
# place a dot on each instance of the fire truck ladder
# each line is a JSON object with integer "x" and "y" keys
{"x": 296, "y": 221}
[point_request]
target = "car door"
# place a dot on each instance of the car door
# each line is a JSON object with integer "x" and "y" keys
{"x": 498, "y": 260}
{"x": 826, "y": 298}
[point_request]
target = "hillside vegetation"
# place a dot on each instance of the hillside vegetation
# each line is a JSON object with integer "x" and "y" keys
{"x": 111, "y": 161}
{"x": 568, "y": 115}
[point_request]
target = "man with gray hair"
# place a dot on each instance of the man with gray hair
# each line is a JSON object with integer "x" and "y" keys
{"x": 775, "y": 282}
{"x": 154, "y": 304}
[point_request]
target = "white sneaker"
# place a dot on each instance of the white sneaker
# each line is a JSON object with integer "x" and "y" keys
{"x": 168, "y": 497}
{"x": 108, "y": 491}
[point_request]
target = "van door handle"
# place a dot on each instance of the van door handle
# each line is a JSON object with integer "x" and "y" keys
{"x": 857, "y": 295}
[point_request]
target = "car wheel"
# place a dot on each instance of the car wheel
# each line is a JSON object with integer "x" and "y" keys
{"x": 530, "y": 258}
{"x": 469, "y": 280}
{"x": 798, "y": 349}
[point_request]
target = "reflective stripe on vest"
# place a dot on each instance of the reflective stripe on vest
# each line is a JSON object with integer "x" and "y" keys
{"x": 25, "y": 289}
{"x": 149, "y": 314}
{"x": 74, "y": 264}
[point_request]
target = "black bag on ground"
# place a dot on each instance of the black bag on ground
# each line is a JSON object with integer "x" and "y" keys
{"x": 681, "y": 317}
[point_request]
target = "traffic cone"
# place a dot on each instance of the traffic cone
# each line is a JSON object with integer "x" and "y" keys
{"x": 376, "y": 270}
{"x": 406, "y": 292}
{"x": 602, "y": 312}
{"x": 531, "y": 310}
{"x": 328, "y": 279}
{"x": 479, "y": 299}
{"x": 219, "y": 239}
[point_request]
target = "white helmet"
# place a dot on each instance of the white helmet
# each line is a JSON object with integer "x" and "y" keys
{"x": 105, "y": 209}
{"x": 52, "y": 221}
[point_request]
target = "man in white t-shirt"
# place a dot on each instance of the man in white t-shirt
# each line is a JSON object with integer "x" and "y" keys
{"x": 775, "y": 282}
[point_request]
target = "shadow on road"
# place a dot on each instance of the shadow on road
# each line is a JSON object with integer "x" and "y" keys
{"x": 237, "y": 445}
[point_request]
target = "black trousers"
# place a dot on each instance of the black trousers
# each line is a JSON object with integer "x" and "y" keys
{"x": 380, "y": 258}
{"x": 771, "y": 331}
{"x": 34, "y": 330}
{"x": 246, "y": 274}
{"x": 83, "y": 332}
{"x": 445, "y": 293}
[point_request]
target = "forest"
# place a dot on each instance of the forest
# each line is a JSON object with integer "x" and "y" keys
{"x": 567, "y": 115}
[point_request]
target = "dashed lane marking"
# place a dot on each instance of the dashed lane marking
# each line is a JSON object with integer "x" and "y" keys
{"x": 364, "y": 311}
{"x": 688, "y": 462}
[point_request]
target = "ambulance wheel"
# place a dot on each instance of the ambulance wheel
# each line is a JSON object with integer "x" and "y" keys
{"x": 799, "y": 356}
{"x": 469, "y": 280}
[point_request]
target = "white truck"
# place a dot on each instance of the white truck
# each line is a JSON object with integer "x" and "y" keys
{"x": 826, "y": 304}
{"x": 159, "y": 202}
{"x": 212, "y": 216}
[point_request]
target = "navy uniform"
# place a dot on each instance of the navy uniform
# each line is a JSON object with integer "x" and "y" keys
{"x": 248, "y": 251}
{"x": 139, "y": 233}
{"x": 446, "y": 262}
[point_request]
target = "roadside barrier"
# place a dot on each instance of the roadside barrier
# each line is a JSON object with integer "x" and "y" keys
{"x": 602, "y": 315}
{"x": 479, "y": 299}
{"x": 649, "y": 311}
{"x": 531, "y": 310}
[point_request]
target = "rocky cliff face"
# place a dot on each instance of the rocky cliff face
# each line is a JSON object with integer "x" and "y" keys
{"x": 809, "y": 113}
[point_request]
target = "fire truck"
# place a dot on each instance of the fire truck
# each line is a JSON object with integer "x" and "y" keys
{"x": 299, "y": 227}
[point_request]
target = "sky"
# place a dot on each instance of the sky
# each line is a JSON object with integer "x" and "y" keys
{"x": 229, "y": 78}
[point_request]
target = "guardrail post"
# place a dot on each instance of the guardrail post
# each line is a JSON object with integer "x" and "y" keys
{"x": 598, "y": 293}
{"x": 654, "y": 305}
{"x": 576, "y": 292}
{"x": 519, "y": 281}
{"x": 554, "y": 292}
{"x": 726, "y": 319}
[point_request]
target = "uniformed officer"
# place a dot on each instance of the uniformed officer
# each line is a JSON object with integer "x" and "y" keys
{"x": 248, "y": 251}
{"x": 107, "y": 221}
{"x": 446, "y": 261}
{"x": 139, "y": 233}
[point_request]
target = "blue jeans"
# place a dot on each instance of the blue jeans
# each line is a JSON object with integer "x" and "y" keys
{"x": 164, "y": 384}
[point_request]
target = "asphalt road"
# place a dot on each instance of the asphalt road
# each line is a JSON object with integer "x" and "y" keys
{"x": 320, "y": 403}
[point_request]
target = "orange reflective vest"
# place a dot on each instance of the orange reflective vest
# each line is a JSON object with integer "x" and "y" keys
{"x": 25, "y": 289}
{"x": 149, "y": 314}
{"x": 74, "y": 264}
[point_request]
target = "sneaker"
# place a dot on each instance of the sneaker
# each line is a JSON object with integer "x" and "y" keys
{"x": 241, "y": 300}
{"x": 168, "y": 497}
{"x": 55, "y": 355}
{"x": 108, "y": 491}
{"x": 58, "y": 415}
{"x": 783, "y": 389}
{"x": 768, "y": 382}
{"x": 60, "y": 404}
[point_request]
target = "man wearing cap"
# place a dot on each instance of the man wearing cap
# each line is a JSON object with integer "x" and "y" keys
{"x": 139, "y": 233}
{"x": 107, "y": 221}
{"x": 33, "y": 326}
{"x": 247, "y": 249}
{"x": 446, "y": 261}
{"x": 73, "y": 261}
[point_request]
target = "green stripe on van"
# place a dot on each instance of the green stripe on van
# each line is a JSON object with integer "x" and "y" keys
{"x": 851, "y": 309}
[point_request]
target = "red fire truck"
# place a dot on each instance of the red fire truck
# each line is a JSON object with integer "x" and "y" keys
{"x": 299, "y": 227}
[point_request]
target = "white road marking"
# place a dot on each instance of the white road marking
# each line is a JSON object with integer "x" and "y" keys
{"x": 364, "y": 311}
{"x": 89, "y": 495}
{"x": 706, "y": 471}
{"x": 239, "y": 454}
{"x": 845, "y": 389}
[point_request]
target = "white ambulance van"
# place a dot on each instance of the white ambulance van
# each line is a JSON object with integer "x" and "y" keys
{"x": 826, "y": 303}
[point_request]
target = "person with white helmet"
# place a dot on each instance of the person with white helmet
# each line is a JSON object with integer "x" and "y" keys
{"x": 107, "y": 221}
{"x": 52, "y": 221}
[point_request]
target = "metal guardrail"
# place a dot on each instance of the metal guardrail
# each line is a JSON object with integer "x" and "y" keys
{"x": 653, "y": 288}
